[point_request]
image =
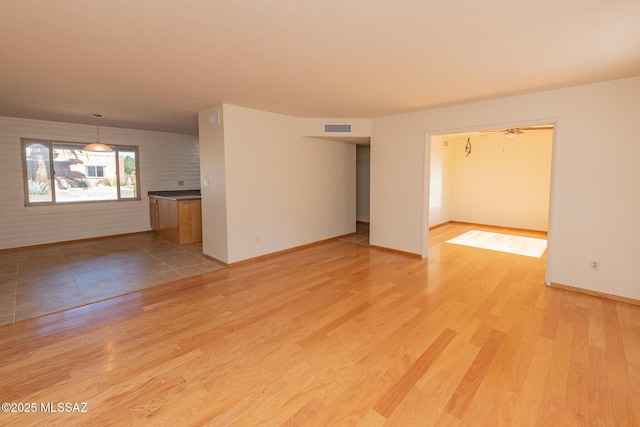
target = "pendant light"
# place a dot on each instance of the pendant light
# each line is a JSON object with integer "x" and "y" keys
{"x": 97, "y": 146}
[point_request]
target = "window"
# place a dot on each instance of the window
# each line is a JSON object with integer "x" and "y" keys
{"x": 95, "y": 171}
{"x": 62, "y": 172}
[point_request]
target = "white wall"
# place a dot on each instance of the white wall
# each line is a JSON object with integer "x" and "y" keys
{"x": 595, "y": 202}
{"x": 164, "y": 160}
{"x": 363, "y": 182}
{"x": 213, "y": 185}
{"x": 282, "y": 189}
{"x": 504, "y": 181}
{"x": 440, "y": 181}
{"x": 398, "y": 183}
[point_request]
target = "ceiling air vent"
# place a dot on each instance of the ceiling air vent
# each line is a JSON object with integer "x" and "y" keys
{"x": 337, "y": 128}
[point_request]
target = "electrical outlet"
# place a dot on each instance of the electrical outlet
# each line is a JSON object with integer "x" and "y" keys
{"x": 595, "y": 265}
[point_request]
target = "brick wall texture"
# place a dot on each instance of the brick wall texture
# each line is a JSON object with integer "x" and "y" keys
{"x": 165, "y": 159}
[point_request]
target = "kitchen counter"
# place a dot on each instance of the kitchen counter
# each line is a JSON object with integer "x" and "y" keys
{"x": 184, "y": 197}
{"x": 176, "y": 215}
{"x": 176, "y": 194}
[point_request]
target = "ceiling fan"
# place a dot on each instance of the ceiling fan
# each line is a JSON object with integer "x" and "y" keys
{"x": 513, "y": 132}
{"x": 509, "y": 133}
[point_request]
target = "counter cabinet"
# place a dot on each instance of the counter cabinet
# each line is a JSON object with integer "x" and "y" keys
{"x": 178, "y": 221}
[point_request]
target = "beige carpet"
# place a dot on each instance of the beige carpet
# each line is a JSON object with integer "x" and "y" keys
{"x": 519, "y": 245}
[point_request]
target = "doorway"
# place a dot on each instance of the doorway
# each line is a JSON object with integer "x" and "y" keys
{"x": 363, "y": 190}
{"x": 500, "y": 177}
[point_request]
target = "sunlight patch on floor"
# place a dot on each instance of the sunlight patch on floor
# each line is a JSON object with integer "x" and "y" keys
{"x": 518, "y": 245}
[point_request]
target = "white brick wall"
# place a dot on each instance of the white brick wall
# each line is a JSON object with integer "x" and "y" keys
{"x": 165, "y": 159}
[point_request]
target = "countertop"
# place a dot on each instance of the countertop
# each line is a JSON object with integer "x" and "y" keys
{"x": 176, "y": 194}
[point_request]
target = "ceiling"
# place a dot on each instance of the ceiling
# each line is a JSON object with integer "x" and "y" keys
{"x": 153, "y": 64}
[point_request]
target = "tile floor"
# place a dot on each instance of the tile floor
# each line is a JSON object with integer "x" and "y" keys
{"x": 38, "y": 281}
{"x": 361, "y": 235}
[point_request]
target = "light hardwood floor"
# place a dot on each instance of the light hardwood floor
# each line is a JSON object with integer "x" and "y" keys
{"x": 336, "y": 334}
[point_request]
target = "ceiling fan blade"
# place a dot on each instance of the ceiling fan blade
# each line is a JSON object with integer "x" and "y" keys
{"x": 512, "y": 131}
{"x": 537, "y": 128}
{"x": 489, "y": 132}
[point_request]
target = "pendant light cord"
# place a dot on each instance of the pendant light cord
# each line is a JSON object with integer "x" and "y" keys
{"x": 97, "y": 116}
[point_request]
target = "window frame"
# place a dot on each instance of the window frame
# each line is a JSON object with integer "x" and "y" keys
{"x": 49, "y": 144}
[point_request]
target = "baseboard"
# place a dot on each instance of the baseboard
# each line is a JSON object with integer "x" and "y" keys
{"x": 595, "y": 293}
{"x": 475, "y": 224}
{"x": 308, "y": 245}
{"x": 440, "y": 225}
{"x": 216, "y": 260}
{"x": 396, "y": 251}
{"x": 66, "y": 242}
{"x": 284, "y": 251}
